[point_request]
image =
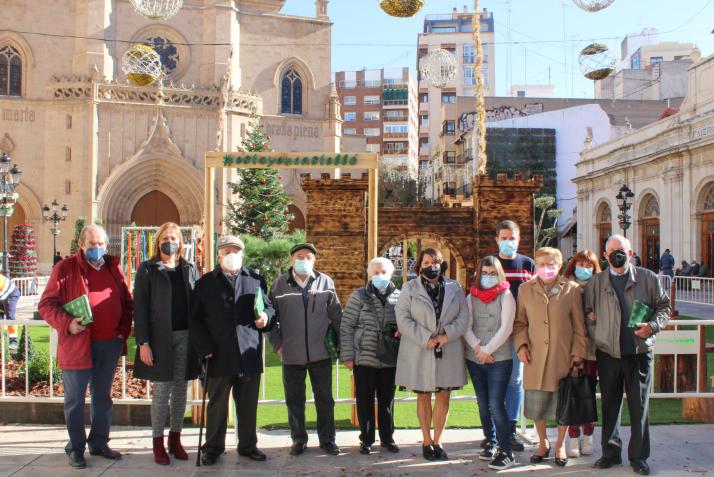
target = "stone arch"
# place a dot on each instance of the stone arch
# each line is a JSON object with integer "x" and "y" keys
{"x": 305, "y": 73}
{"x": 454, "y": 252}
{"x": 648, "y": 230}
{"x": 18, "y": 42}
{"x": 701, "y": 192}
{"x": 643, "y": 201}
{"x": 703, "y": 211}
{"x": 131, "y": 181}
{"x": 602, "y": 231}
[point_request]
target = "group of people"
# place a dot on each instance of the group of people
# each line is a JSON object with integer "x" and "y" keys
{"x": 686, "y": 269}
{"x": 522, "y": 325}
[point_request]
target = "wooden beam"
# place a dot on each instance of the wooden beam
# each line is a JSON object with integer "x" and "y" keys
{"x": 209, "y": 186}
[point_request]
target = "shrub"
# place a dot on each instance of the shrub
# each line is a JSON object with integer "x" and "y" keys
{"x": 270, "y": 257}
{"x": 20, "y": 353}
{"x": 39, "y": 370}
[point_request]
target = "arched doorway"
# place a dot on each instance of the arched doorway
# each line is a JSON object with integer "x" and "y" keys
{"x": 17, "y": 218}
{"x": 298, "y": 221}
{"x": 155, "y": 208}
{"x": 414, "y": 243}
{"x": 604, "y": 227}
{"x": 649, "y": 218}
{"x": 707, "y": 238}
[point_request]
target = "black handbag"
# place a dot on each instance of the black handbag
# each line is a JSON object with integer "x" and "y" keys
{"x": 577, "y": 404}
{"x": 388, "y": 345}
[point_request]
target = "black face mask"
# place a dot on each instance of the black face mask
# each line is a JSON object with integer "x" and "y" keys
{"x": 618, "y": 259}
{"x": 431, "y": 272}
{"x": 169, "y": 248}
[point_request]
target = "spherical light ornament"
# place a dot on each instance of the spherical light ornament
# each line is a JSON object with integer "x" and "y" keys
{"x": 596, "y": 61}
{"x": 141, "y": 65}
{"x": 593, "y": 5}
{"x": 401, "y": 8}
{"x": 157, "y": 9}
{"x": 438, "y": 67}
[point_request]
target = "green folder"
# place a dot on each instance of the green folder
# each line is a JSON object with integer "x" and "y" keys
{"x": 332, "y": 341}
{"x": 79, "y": 308}
{"x": 640, "y": 313}
{"x": 258, "y": 303}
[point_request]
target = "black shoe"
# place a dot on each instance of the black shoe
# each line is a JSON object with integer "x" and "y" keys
{"x": 390, "y": 446}
{"x": 331, "y": 448}
{"x": 208, "y": 459}
{"x": 76, "y": 460}
{"x": 365, "y": 449}
{"x": 537, "y": 459}
{"x": 298, "y": 448}
{"x": 440, "y": 453}
{"x": 488, "y": 453}
{"x": 640, "y": 467}
{"x": 502, "y": 461}
{"x": 606, "y": 462}
{"x": 484, "y": 443}
{"x": 254, "y": 454}
{"x": 516, "y": 442}
{"x": 428, "y": 452}
{"x": 560, "y": 462}
{"x": 107, "y": 453}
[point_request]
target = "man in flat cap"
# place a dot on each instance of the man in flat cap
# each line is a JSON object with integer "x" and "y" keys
{"x": 226, "y": 329}
{"x": 306, "y": 306}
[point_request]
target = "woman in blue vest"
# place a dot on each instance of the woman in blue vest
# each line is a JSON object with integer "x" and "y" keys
{"x": 492, "y": 310}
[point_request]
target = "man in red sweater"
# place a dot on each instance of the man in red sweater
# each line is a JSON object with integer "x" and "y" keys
{"x": 89, "y": 354}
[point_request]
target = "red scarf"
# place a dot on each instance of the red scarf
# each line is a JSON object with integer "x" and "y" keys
{"x": 487, "y": 296}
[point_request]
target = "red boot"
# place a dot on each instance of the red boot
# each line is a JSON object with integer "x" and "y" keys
{"x": 160, "y": 455}
{"x": 175, "y": 446}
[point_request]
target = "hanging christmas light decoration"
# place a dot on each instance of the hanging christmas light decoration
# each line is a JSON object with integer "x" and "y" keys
{"x": 438, "y": 67}
{"x": 593, "y": 5}
{"x": 401, "y": 8}
{"x": 157, "y": 9}
{"x": 596, "y": 61}
{"x": 141, "y": 65}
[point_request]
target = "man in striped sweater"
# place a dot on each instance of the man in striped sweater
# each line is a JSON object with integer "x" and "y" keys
{"x": 9, "y": 296}
{"x": 518, "y": 269}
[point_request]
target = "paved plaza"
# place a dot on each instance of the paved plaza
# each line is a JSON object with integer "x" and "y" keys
{"x": 36, "y": 451}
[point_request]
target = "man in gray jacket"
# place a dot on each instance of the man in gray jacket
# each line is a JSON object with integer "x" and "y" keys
{"x": 306, "y": 306}
{"x": 624, "y": 354}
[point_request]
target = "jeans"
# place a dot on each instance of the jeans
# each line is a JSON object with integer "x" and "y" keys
{"x": 100, "y": 377}
{"x": 633, "y": 375}
{"x": 490, "y": 382}
{"x": 294, "y": 384}
{"x": 514, "y": 393}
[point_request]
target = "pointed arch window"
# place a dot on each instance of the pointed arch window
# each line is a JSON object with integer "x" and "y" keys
{"x": 291, "y": 93}
{"x": 709, "y": 200}
{"x": 10, "y": 71}
{"x": 651, "y": 209}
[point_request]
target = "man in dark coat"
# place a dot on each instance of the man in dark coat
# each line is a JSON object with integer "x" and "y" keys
{"x": 226, "y": 329}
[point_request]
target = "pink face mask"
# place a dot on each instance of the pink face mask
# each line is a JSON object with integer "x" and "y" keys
{"x": 547, "y": 273}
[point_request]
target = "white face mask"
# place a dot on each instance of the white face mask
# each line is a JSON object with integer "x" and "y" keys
{"x": 232, "y": 262}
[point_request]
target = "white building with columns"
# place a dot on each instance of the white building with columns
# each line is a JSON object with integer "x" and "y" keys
{"x": 669, "y": 165}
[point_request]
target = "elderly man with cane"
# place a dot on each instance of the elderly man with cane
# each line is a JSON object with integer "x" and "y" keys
{"x": 230, "y": 311}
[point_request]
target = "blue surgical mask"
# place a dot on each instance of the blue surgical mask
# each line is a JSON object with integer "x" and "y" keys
{"x": 583, "y": 274}
{"x": 508, "y": 248}
{"x": 303, "y": 267}
{"x": 381, "y": 282}
{"x": 94, "y": 254}
{"x": 488, "y": 281}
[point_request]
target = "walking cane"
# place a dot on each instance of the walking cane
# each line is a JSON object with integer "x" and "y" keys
{"x": 203, "y": 413}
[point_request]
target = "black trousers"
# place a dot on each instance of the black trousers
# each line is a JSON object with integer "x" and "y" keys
{"x": 633, "y": 374}
{"x": 294, "y": 384}
{"x": 368, "y": 382}
{"x": 245, "y": 394}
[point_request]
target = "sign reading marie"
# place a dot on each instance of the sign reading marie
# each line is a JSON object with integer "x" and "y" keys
{"x": 701, "y": 133}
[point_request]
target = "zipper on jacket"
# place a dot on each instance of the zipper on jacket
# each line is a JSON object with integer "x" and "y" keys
{"x": 307, "y": 348}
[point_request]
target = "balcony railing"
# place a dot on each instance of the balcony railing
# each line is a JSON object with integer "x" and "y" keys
{"x": 394, "y": 135}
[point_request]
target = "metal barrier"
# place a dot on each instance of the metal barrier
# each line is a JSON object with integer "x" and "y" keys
{"x": 31, "y": 289}
{"x": 695, "y": 290}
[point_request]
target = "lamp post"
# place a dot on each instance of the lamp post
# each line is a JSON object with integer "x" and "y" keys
{"x": 9, "y": 180}
{"x": 624, "y": 203}
{"x": 55, "y": 218}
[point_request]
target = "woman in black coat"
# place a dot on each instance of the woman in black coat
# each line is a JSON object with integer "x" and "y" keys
{"x": 162, "y": 292}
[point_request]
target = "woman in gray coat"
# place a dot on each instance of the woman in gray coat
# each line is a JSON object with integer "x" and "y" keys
{"x": 369, "y": 343}
{"x": 162, "y": 290}
{"x": 432, "y": 315}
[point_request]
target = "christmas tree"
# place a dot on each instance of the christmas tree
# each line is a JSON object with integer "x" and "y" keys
{"x": 23, "y": 259}
{"x": 261, "y": 206}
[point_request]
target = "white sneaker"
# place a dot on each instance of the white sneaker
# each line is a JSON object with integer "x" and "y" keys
{"x": 587, "y": 446}
{"x": 574, "y": 448}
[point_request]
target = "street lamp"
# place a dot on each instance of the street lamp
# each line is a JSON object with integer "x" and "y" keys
{"x": 10, "y": 175}
{"x": 624, "y": 203}
{"x": 55, "y": 218}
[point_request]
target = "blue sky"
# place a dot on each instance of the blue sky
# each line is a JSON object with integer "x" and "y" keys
{"x": 544, "y": 34}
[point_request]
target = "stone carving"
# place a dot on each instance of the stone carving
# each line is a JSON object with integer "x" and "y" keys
{"x": 159, "y": 139}
{"x": 6, "y": 144}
